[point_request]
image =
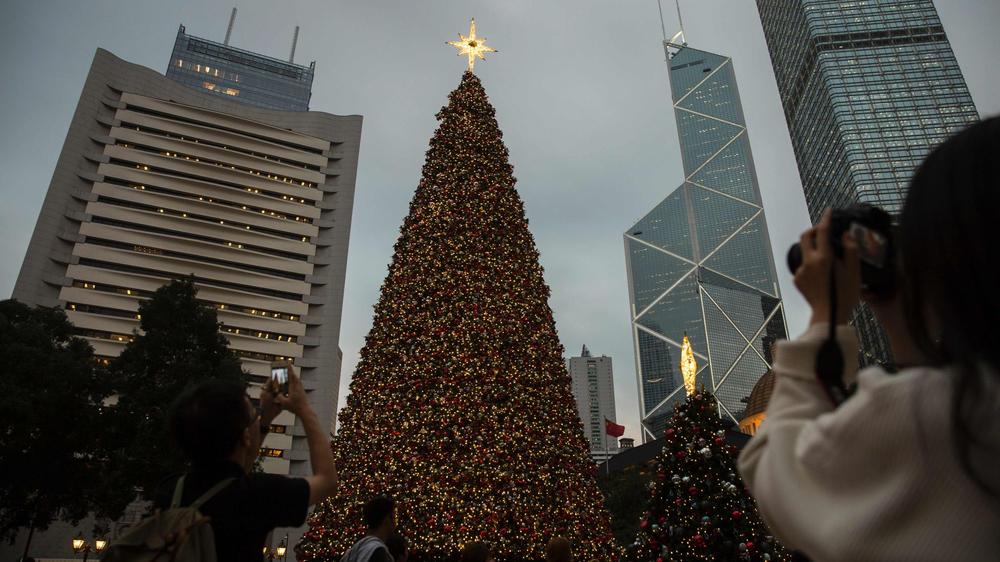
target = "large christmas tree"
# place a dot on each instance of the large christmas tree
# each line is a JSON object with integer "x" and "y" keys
{"x": 699, "y": 508}
{"x": 461, "y": 407}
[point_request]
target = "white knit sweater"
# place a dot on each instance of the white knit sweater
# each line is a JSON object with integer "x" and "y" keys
{"x": 875, "y": 479}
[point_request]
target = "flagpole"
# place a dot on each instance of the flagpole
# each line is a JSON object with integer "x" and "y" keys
{"x": 607, "y": 456}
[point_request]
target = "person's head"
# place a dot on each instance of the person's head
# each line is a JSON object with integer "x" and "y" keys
{"x": 396, "y": 544}
{"x": 380, "y": 516}
{"x": 948, "y": 240}
{"x": 477, "y": 552}
{"x": 558, "y": 550}
{"x": 214, "y": 421}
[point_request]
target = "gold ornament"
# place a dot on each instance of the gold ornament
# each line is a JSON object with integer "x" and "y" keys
{"x": 689, "y": 366}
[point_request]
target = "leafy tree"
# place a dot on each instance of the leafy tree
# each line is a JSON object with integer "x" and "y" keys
{"x": 179, "y": 345}
{"x": 52, "y": 410}
{"x": 625, "y": 494}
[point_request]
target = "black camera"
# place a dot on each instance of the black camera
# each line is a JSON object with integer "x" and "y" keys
{"x": 871, "y": 228}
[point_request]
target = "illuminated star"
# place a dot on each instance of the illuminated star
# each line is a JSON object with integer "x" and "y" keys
{"x": 472, "y": 46}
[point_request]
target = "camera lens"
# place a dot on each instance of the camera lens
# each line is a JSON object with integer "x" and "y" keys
{"x": 794, "y": 258}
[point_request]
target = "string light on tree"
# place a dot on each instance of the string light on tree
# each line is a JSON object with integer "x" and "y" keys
{"x": 472, "y": 46}
{"x": 461, "y": 407}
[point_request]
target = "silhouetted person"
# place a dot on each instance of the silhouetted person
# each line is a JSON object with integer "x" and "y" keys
{"x": 380, "y": 523}
{"x": 558, "y": 550}
{"x": 220, "y": 432}
{"x": 477, "y": 552}
{"x": 397, "y": 547}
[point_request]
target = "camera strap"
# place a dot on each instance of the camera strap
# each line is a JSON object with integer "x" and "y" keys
{"x": 830, "y": 357}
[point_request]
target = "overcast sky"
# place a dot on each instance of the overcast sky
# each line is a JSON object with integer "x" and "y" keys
{"x": 581, "y": 92}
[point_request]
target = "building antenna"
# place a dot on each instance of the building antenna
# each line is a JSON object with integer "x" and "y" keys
{"x": 663, "y": 27}
{"x": 674, "y": 44}
{"x": 295, "y": 39}
{"x": 229, "y": 30}
{"x": 680, "y": 21}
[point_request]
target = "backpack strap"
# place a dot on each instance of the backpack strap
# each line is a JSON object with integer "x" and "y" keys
{"x": 178, "y": 490}
{"x": 211, "y": 492}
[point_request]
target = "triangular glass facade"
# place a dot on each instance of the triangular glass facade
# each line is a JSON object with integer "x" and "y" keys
{"x": 700, "y": 262}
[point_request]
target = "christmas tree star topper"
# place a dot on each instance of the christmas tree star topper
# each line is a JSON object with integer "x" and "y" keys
{"x": 472, "y": 46}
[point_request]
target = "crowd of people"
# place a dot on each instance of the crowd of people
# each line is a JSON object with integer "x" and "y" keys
{"x": 905, "y": 468}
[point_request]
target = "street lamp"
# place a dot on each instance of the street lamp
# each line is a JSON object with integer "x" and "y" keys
{"x": 276, "y": 552}
{"x": 80, "y": 544}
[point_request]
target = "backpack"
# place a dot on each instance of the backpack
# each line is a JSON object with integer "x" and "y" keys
{"x": 177, "y": 534}
{"x": 366, "y": 547}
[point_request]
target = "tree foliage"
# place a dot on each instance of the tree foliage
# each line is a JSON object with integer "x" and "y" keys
{"x": 179, "y": 345}
{"x": 50, "y": 465}
{"x": 625, "y": 493}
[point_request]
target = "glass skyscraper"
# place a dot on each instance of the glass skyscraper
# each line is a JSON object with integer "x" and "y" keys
{"x": 868, "y": 88}
{"x": 700, "y": 262}
{"x": 240, "y": 75}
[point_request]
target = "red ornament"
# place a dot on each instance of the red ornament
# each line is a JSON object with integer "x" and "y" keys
{"x": 699, "y": 541}
{"x": 681, "y": 454}
{"x": 737, "y": 514}
{"x": 693, "y": 490}
{"x": 750, "y": 546}
{"x": 670, "y": 433}
{"x": 644, "y": 524}
{"x": 719, "y": 440}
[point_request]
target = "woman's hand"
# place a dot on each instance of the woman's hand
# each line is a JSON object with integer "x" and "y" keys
{"x": 813, "y": 277}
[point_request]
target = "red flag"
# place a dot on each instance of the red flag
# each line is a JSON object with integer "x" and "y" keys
{"x": 613, "y": 429}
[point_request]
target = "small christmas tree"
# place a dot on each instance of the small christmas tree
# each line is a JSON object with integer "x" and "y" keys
{"x": 461, "y": 407}
{"x": 699, "y": 508}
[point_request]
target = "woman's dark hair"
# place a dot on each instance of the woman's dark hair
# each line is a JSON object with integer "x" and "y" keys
{"x": 949, "y": 235}
{"x": 477, "y": 552}
{"x": 207, "y": 421}
{"x": 377, "y": 510}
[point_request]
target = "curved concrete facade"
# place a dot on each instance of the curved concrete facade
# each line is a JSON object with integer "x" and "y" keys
{"x": 157, "y": 180}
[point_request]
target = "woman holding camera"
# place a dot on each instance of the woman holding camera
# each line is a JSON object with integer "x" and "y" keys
{"x": 908, "y": 467}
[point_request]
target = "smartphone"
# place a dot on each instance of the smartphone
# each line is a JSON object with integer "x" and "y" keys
{"x": 279, "y": 374}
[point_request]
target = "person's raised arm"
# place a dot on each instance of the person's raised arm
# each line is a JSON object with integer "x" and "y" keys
{"x": 323, "y": 482}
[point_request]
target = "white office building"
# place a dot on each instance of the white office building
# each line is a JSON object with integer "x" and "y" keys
{"x": 594, "y": 390}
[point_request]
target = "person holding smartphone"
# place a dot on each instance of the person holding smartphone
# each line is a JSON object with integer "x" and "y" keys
{"x": 220, "y": 431}
{"x": 906, "y": 468}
